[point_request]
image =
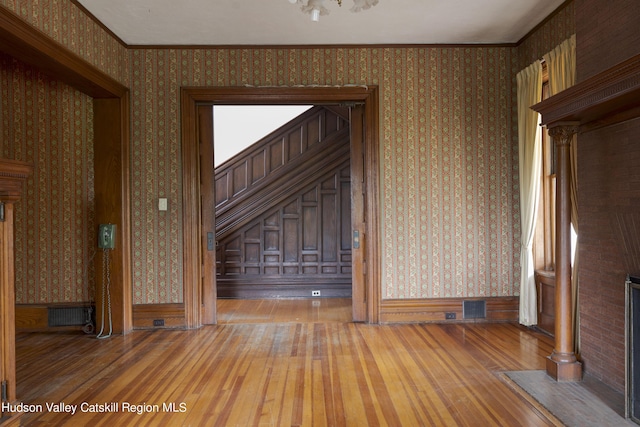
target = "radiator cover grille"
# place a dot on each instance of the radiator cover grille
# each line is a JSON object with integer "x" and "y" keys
{"x": 474, "y": 309}
{"x": 68, "y": 316}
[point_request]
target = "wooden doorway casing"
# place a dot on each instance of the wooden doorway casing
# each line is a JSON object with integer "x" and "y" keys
{"x": 111, "y": 120}
{"x": 200, "y": 299}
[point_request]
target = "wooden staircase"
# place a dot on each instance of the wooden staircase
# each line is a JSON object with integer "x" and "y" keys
{"x": 283, "y": 212}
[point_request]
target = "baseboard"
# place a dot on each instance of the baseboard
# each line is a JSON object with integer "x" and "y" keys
{"x": 35, "y": 317}
{"x": 158, "y": 316}
{"x": 441, "y": 310}
{"x": 277, "y": 289}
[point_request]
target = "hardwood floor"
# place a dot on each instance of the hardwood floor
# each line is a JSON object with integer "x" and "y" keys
{"x": 299, "y": 373}
{"x": 284, "y": 310}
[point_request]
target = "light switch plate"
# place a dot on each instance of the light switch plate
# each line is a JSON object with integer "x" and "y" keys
{"x": 162, "y": 204}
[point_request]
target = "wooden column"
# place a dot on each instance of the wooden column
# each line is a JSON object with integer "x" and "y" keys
{"x": 12, "y": 177}
{"x": 562, "y": 364}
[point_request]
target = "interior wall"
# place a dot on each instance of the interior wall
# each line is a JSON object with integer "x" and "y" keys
{"x": 50, "y": 125}
{"x": 557, "y": 28}
{"x": 69, "y": 26}
{"x": 447, "y": 117}
{"x": 607, "y": 34}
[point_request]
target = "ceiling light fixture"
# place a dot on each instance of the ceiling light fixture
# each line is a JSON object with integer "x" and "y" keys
{"x": 316, "y": 8}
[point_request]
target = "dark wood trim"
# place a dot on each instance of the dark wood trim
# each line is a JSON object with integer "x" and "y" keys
{"x": 194, "y": 96}
{"x": 13, "y": 175}
{"x": 191, "y": 227}
{"x": 328, "y": 46}
{"x": 546, "y": 290}
{"x": 338, "y": 288}
{"x": 232, "y": 212}
{"x": 24, "y": 42}
{"x": 172, "y": 315}
{"x": 278, "y": 187}
{"x": 373, "y": 269}
{"x": 111, "y": 138}
{"x": 35, "y": 317}
{"x": 294, "y": 231}
{"x": 607, "y": 98}
{"x": 233, "y": 95}
{"x": 208, "y": 218}
{"x": 31, "y": 317}
{"x": 563, "y": 364}
{"x": 111, "y": 153}
{"x": 99, "y": 23}
{"x": 499, "y": 309}
{"x": 358, "y": 216}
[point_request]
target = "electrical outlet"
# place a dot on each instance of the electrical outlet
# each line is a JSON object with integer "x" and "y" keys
{"x": 158, "y": 322}
{"x": 450, "y": 316}
{"x": 315, "y": 293}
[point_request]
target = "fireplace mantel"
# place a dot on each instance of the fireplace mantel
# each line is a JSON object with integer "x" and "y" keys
{"x": 610, "y": 97}
{"x": 605, "y": 99}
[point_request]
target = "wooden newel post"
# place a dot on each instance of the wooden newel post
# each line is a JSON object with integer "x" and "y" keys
{"x": 12, "y": 177}
{"x": 562, "y": 364}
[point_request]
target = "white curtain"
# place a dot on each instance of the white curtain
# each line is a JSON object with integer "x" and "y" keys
{"x": 530, "y": 145}
{"x": 561, "y": 64}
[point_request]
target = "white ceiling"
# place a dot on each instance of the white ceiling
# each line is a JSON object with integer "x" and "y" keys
{"x": 278, "y": 22}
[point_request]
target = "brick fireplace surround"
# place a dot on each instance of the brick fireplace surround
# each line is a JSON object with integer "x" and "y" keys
{"x": 606, "y": 104}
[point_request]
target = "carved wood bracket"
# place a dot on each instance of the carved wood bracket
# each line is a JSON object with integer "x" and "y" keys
{"x": 13, "y": 173}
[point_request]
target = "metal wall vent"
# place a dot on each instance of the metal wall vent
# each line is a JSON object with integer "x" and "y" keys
{"x": 68, "y": 316}
{"x": 474, "y": 309}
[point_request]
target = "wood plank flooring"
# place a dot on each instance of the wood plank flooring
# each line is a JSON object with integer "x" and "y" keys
{"x": 284, "y": 310}
{"x": 297, "y": 373}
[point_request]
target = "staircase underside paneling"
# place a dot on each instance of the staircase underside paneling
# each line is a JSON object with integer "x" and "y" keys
{"x": 283, "y": 219}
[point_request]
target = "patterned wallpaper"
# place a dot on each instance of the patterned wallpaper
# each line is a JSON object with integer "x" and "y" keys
{"x": 449, "y": 172}
{"x": 556, "y": 30}
{"x": 67, "y": 25}
{"x": 450, "y": 162}
{"x": 156, "y": 172}
{"x": 447, "y": 119}
{"x": 50, "y": 125}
